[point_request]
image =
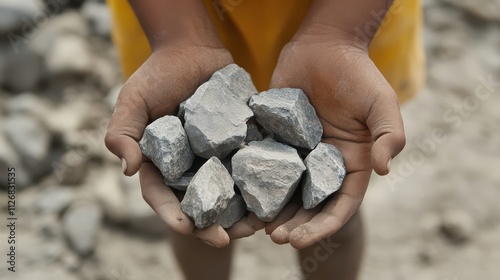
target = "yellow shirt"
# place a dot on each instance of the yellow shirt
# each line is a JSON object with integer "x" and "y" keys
{"x": 256, "y": 44}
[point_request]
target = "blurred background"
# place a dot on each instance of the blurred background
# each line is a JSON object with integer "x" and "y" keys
{"x": 435, "y": 217}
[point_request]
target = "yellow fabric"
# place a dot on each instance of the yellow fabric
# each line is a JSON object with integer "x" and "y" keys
{"x": 255, "y": 31}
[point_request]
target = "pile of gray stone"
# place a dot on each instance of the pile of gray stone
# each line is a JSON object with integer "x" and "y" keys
{"x": 233, "y": 150}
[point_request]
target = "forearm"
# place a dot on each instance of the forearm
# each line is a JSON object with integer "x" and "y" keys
{"x": 356, "y": 20}
{"x": 170, "y": 21}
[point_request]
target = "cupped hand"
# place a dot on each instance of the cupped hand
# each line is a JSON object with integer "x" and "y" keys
{"x": 360, "y": 115}
{"x": 169, "y": 76}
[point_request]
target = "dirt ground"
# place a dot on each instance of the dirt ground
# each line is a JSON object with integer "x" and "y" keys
{"x": 436, "y": 217}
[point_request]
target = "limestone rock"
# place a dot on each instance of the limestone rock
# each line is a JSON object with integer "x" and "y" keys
{"x": 81, "y": 224}
{"x": 70, "y": 54}
{"x": 98, "y": 16}
{"x": 287, "y": 113}
{"x": 215, "y": 120}
{"x": 22, "y": 71}
{"x": 324, "y": 175}
{"x": 208, "y": 194}
{"x": 234, "y": 211}
{"x": 182, "y": 183}
{"x": 267, "y": 173}
{"x": 165, "y": 142}
{"x": 55, "y": 200}
{"x": 237, "y": 80}
{"x": 253, "y": 133}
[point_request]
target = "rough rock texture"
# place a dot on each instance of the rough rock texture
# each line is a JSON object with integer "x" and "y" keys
{"x": 208, "y": 194}
{"x": 237, "y": 80}
{"x": 182, "y": 183}
{"x": 324, "y": 175}
{"x": 81, "y": 224}
{"x": 234, "y": 211}
{"x": 290, "y": 117}
{"x": 165, "y": 142}
{"x": 215, "y": 120}
{"x": 267, "y": 173}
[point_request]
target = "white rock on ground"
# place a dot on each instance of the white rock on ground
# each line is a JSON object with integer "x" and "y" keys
{"x": 215, "y": 120}
{"x": 267, "y": 174}
{"x": 208, "y": 194}
{"x": 81, "y": 225}
{"x": 324, "y": 175}
{"x": 70, "y": 54}
{"x": 165, "y": 142}
{"x": 288, "y": 115}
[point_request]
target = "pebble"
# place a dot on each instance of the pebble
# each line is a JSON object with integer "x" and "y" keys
{"x": 289, "y": 116}
{"x": 324, "y": 175}
{"x": 55, "y": 200}
{"x": 70, "y": 54}
{"x": 208, "y": 194}
{"x": 234, "y": 211}
{"x": 165, "y": 142}
{"x": 215, "y": 120}
{"x": 98, "y": 16}
{"x": 81, "y": 225}
{"x": 267, "y": 174}
{"x": 237, "y": 80}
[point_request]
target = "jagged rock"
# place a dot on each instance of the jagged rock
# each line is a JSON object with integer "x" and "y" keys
{"x": 215, "y": 120}
{"x": 253, "y": 133}
{"x": 287, "y": 113}
{"x": 267, "y": 174}
{"x": 81, "y": 225}
{"x": 165, "y": 142}
{"x": 324, "y": 175}
{"x": 182, "y": 111}
{"x": 182, "y": 183}
{"x": 237, "y": 80}
{"x": 208, "y": 194}
{"x": 234, "y": 211}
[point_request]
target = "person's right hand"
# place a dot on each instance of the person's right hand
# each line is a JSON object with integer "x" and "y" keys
{"x": 169, "y": 76}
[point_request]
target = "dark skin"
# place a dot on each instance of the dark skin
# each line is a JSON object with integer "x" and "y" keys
{"x": 357, "y": 107}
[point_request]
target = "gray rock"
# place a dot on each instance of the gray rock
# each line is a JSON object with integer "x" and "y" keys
{"x": 253, "y": 133}
{"x": 290, "y": 117}
{"x": 324, "y": 175}
{"x": 55, "y": 200}
{"x": 31, "y": 141}
{"x": 98, "y": 16}
{"x": 182, "y": 111}
{"x": 8, "y": 159}
{"x": 81, "y": 225}
{"x": 22, "y": 71}
{"x": 237, "y": 80}
{"x": 26, "y": 103}
{"x": 165, "y": 142}
{"x": 182, "y": 183}
{"x": 12, "y": 13}
{"x": 70, "y": 54}
{"x": 234, "y": 211}
{"x": 215, "y": 121}
{"x": 482, "y": 9}
{"x": 208, "y": 194}
{"x": 267, "y": 173}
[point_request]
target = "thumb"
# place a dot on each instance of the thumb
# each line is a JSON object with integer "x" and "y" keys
{"x": 125, "y": 129}
{"x": 386, "y": 127}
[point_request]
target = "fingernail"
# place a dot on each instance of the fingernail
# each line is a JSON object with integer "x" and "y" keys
{"x": 208, "y": 243}
{"x": 124, "y": 165}
{"x": 389, "y": 165}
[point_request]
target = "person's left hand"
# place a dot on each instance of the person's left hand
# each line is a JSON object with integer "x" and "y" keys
{"x": 360, "y": 115}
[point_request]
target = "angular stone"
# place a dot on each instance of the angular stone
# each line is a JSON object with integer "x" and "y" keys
{"x": 165, "y": 142}
{"x": 253, "y": 133}
{"x": 208, "y": 194}
{"x": 234, "y": 211}
{"x": 289, "y": 116}
{"x": 324, "y": 175}
{"x": 267, "y": 173}
{"x": 237, "y": 80}
{"x": 215, "y": 120}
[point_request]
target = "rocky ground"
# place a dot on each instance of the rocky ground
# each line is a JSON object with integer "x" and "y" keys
{"x": 434, "y": 218}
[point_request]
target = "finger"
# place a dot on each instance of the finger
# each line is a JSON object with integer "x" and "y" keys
{"x": 125, "y": 129}
{"x": 284, "y": 216}
{"x": 281, "y": 235}
{"x": 213, "y": 235}
{"x": 245, "y": 227}
{"x": 162, "y": 200}
{"x": 336, "y": 212}
{"x": 386, "y": 127}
